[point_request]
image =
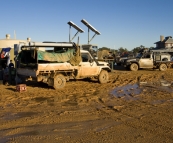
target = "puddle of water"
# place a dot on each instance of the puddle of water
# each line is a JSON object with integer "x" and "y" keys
{"x": 165, "y": 83}
{"x": 167, "y": 89}
{"x": 161, "y": 86}
{"x": 127, "y": 97}
{"x": 128, "y": 91}
{"x": 156, "y": 102}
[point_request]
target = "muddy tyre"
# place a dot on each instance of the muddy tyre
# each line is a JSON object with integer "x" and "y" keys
{"x": 103, "y": 77}
{"x": 163, "y": 67}
{"x": 59, "y": 81}
{"x": 134, "y": 67}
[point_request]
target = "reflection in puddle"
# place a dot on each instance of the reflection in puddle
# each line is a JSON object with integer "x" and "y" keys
{"x": 161, "y": 85}
{"x": 158, "y": 102}
{"x": 167, "y": 89}
{"x": 165, "y": 83}
{"x": 127, "y": 91}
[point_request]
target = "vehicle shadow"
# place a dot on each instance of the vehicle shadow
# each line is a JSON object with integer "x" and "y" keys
{"x": 92, "y": 80}
{"x": 119, "y": 68}
{"x": 12, "y": 89}
{"x": 38, "y": 84}
{"x": 45, "y": 86}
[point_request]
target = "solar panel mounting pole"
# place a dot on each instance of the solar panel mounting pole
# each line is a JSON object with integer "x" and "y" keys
{"x": 92, "y": 37}
{"x": 88, "y": 36}
{"x": 90, "y": 27}
{"x": 74, "y": 36}
{"x": 69, "y": 32}
{"x": 76, "y": 27}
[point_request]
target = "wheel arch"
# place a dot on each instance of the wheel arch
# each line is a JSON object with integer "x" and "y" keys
{"x": 106, "y": 69}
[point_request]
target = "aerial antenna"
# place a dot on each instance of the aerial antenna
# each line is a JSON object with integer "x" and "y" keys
{"x": 90, "y": 27}
{"x": 71, "y": 24}
{"x": 14, "y": 34}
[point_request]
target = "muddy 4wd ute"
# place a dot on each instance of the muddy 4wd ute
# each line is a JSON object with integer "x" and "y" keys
{"x": 149, "y": 59}
{"x": 57, "y": 63}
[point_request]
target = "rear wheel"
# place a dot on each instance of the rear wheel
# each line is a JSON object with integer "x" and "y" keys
{"x": 59, "y": 81}
{"x": 163, "y": 67}
{"x": 103, "y": 77}
{"x": 133, "y": 67}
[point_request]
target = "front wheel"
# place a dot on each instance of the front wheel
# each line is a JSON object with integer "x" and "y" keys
{"x": 103, "y": 76}
{"x": 163, "y": 67}
{"x": 59, "y": 81}
{"x": 133, "y": 67}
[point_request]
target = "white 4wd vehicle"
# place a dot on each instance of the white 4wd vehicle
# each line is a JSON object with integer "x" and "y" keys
{"x": 58, "y": 63}
{"x": 149, "y": 59}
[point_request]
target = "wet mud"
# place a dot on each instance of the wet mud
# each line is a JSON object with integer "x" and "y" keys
{"x": 132, "y": 107}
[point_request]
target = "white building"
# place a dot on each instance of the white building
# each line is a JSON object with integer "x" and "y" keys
{"x": 9, "y": 43}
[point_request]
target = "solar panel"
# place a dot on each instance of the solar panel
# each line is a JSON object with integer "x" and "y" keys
{"x": 75, "y": 26}
{"x": 90, "y": 26}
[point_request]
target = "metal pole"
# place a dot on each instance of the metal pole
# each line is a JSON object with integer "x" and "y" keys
{"x": 69, "y": 32}
{"x": 74, "y": 36}
{"x": 92, "y": 37}
{"x": 88, "y": 35}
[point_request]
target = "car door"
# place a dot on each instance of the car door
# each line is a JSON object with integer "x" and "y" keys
{"x": 146, "y": 61}
{"x": 88, "y": 66}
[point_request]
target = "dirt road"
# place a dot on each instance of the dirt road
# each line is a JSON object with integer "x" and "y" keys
{"x": 132, "y": 107}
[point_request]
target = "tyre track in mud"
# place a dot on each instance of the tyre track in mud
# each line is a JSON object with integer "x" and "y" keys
{"x": 103, "y": 112}
{"x": 142, "y": 124}
{"x": 136, "y": 121}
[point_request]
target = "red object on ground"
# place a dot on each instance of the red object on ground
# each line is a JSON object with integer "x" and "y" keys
{"x": 21, "y": 87}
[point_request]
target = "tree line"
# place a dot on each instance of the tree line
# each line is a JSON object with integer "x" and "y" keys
{"x": 125, "y": 50}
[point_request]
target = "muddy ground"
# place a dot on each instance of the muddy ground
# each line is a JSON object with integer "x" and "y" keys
{"x": 132, "y": 107}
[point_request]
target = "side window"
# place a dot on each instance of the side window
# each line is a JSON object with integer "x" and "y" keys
{"x": 85, "y": 57}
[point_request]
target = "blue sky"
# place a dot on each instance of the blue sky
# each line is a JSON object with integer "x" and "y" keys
{"x": 122, "y": 23}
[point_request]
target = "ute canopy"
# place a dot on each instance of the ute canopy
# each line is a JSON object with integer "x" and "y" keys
{"x": 58, "y": 55}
